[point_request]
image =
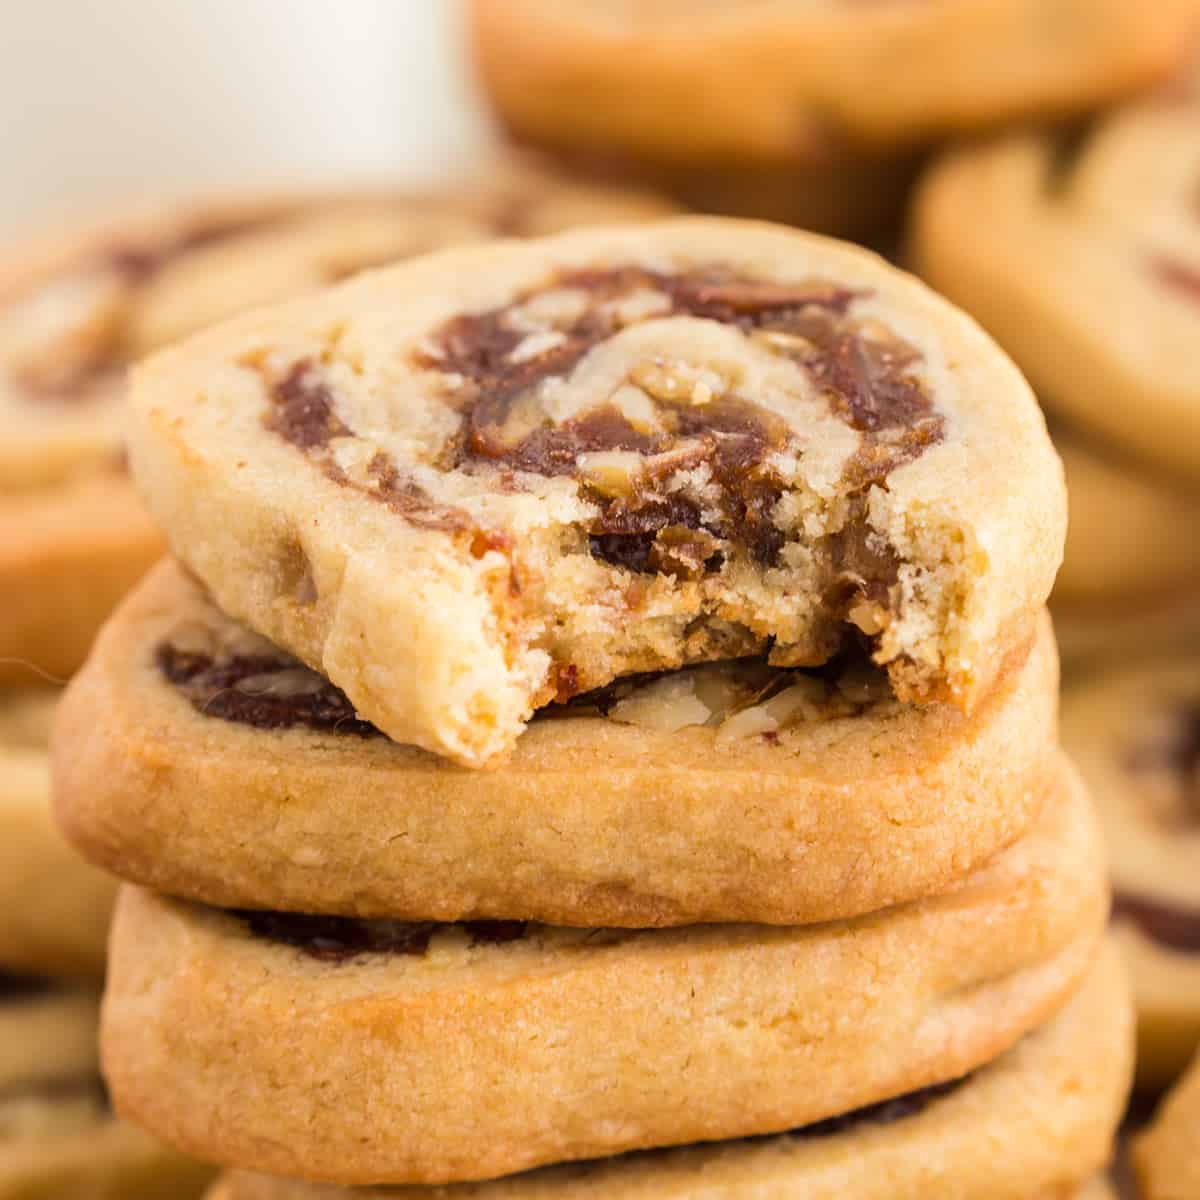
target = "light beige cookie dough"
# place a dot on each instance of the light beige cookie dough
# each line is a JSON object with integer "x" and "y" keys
{"x": 58, "y": 1137}
{"x": 367, "y": 1052}
{"x": 78, "y": 305}
{"x": 1135, "y": 734}
{"x": 489, "y": 478}
{"x": 1166, "y": 1156}
{"x": 1082, "y": 257}
{"x": 1033, "y": 1123}
{"x": 54, "y": 908}
{"x": 225, "y": 772}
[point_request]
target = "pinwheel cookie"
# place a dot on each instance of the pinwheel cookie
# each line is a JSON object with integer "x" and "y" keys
{"x": 804, "y": 111}
{"x": 1031, "y": 1123}
{"x": 1082, "y": 256}
{"x": 54, "y": 908}
{"x": 365, "y": 1052}
{"x": 1136, "y": 737}
{"x": 226, "y": 772}
{"x": 58, "y": 1136}
{"x": 1167, "y": 1154}
{"x": 491, "y": 478}
{"x": 76, "y": 308}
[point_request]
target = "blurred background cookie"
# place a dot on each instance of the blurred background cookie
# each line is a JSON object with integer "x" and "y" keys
{"x": 1135, "y": 734}
{"x": 1167, "y": 1154}
{"x": 58, "y": 1135}
{"x": 812, "y": 114}
{"x": 54, "y": 908}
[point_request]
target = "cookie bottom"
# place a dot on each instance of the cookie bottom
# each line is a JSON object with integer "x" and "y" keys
{"x": 67, "y": 556}
{"x": 1035, "y": 1123}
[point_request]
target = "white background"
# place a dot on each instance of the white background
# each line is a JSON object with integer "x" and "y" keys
{"x": 103, "y": 99}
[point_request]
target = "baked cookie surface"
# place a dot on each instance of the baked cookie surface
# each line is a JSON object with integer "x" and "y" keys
{"x": 54, "y": 908}
{"x": 79, "y": 305}
{"x": 1106, "y": 325}
{"x": 1033, "y": 1122}
{"x": 226, "y": 772}
{"x": 363, "y": 1052}
{"x": 793, "y": 82}
{"x": 1166, "y": 1155}
{"x": 1135, "y": 735}
{"x": 487, "y": 479}
{"x": 58, "y": 1136}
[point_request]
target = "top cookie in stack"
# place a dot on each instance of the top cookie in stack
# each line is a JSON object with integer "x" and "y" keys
{"x": 505, "y": 475}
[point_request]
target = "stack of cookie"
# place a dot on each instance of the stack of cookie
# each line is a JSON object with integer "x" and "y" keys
{"x": 75, "y": 308}
{"x": 604, "y": 703}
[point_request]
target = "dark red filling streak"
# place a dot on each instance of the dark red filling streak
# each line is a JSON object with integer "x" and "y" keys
{"x": 870, "y": 387}
{"x": 341, "y": 939}
{"x": 1179, "y": 753}
{"x": 212, "y": 687}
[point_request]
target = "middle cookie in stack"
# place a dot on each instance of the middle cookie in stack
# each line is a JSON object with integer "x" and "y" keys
{"x": 693, "y": 503}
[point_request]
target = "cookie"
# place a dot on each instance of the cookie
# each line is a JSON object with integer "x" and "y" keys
{"x": 78, "y": 306}
{"x": 1089, "y": 273}
{"x": 798, "y": 112}
{"x": 287, "y": 1043}
{"x": 1166, "y": 1155}
{"x": 227, "y": 773}
{"x": 58, "y": 1136}
{"x": 1124, "y": 545}
{"x": 1090, "y": 638}
{"x": 490, "y": 478}
{"x": 1034, "y": 1122}
{"x": 54, "y": 908}
{"x": 1135, "y": 734}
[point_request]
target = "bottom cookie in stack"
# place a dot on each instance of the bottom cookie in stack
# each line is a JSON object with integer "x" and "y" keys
{"x": 363, "y": 1052}
{"x": 1135, "y": 735}
{"x": 1032, "y": 1123}
{"x": 58, "y": 1135}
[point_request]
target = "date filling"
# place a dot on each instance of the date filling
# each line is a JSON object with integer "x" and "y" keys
{"x": 687, "y": 474}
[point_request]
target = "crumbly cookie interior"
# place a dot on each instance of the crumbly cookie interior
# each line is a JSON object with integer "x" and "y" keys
{"x": 655, "y": 467}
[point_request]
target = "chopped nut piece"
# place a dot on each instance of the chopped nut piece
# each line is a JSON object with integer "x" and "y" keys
{"x": 668, "y": 704}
